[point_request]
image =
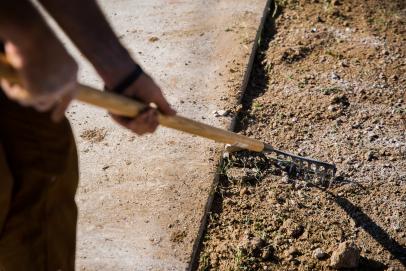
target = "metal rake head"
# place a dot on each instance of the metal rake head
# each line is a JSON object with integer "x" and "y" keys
{"x": 301, "y": 167}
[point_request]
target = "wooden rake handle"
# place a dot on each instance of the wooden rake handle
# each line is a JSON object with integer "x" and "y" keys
{"x": 123, "y": 106}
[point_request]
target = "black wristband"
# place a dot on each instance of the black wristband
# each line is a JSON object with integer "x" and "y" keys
{"x": 127, "y": 81}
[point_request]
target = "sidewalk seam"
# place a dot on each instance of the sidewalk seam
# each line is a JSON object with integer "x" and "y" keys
{"x": 192, "y": 265}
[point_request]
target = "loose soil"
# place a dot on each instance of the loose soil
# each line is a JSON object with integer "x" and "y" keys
{"x": 95, "y": 135}
{"x": 328, "y": 83}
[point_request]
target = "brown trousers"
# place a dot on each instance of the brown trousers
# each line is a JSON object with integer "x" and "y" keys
{"x": 38, "y": 181}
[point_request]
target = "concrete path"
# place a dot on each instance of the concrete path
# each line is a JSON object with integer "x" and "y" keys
{"x": 141, "y": 200}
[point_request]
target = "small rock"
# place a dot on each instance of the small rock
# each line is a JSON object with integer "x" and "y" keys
{"x": 292, "y": 228}
{"x": 256, "y": 243}
{"x": 292, "y": 251}
{"x": 344, "y": 64}
{"x": 394, "y": 77}
{"x": 356, "y": 126}
{"x": 244, "y": 191}
{"x": 372, "y": 136}
{"x": 319, "y": 19}
{"x": 279, "y": 240}
{"x": 221, "y": 113}
{"x": 369, "y": 156}
{"x": 354, "y": 224}
{"x": 332, "y": 108}
{"x": 319, "y": 254}
{"x": 347, "y": 255}
{"x": 382, "y": 76}
{"x": 341, "y": 100}
{"x": 267, "y": 253}
{"x": 335, "y": 76}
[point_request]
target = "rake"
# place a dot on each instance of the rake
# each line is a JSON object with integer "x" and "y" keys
{"x": 120, "y": 105}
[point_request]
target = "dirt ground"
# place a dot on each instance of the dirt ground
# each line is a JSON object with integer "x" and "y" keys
{"x": 328, "y": 82}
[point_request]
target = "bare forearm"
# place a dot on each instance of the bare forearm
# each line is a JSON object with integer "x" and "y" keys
{"x": 21, "y": 24}
{"x": 85, "y": 24}
{"x": 43, "y": 65}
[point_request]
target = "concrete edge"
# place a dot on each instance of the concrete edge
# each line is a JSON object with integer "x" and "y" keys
{"x": 192, "y": 265}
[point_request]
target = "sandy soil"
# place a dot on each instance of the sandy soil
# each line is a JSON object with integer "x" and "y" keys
{"x": 328, "y": 83}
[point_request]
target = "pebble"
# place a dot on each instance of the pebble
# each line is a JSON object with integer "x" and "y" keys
{"x": 319, "y": 254}
{"x": 256, "y": 243}
{"x": 332, "y": 108}
{"x": 394, "y": 77}
{"x": 221, "y": 113}
{"x": 244, "y": 191}
{"x": 285, "y": 179}
{"x": 335, "y": 76}
{"x": 293, "y": 229}
{"x": 295, "y": 261}
{"x": 369, "y": 156}
{"x": 372, "y": 136}
{"x": 345, "y": 64}
{"x": 292, "y": 251}
{"x": 267, "y": 253}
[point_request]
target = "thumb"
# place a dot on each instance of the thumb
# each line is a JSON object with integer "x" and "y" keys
{"x": 163, "y": 106}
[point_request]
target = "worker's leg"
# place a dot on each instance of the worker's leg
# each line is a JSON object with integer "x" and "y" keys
{"x": 38, "y": 181}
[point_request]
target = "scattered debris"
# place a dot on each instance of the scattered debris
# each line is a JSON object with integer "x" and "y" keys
{"x": 178, "y": 236}
{"x": 95, "y": 135}
{"x": 153, "y": 39}
{"x": 292, "y": 55}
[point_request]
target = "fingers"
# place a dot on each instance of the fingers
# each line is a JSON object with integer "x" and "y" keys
{"x": 163, "y": 105}
{"x": 59, "y": 111}
{"x": 14, "y": 91}
{"x": 13, "y": 55}
{"x": 146, "y": 122}
{"x": 145, "y": 90}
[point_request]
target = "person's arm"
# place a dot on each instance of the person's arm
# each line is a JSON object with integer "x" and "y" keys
{"x": 20, "y": 23}
{"x": 35, "y": 52}
{"x": 87, "y": 27}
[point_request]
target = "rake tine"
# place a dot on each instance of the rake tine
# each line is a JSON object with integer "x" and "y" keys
{"x": 310, "y": 166}
{"x": 323, "y": 177}
{"x": 300, "y": 165}
{"x": 317, "y": 171}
